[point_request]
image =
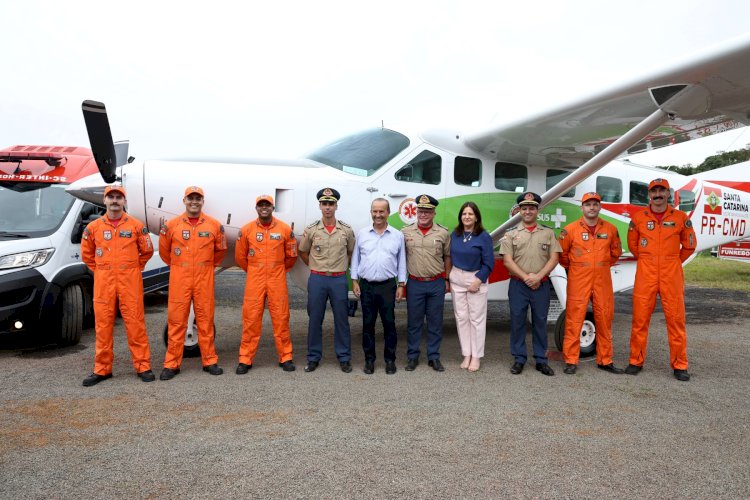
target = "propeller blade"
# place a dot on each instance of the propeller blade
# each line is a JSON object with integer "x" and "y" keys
{"x": 100, "y": 137}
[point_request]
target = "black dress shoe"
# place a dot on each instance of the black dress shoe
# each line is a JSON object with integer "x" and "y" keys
{"x": 311, "y": 366}
{"x": 213, "y": 369}
{"x": 516, "y": 368}
{"x": 411, "y": 365}
{"x": 570, "y": 369}
{"x": 94, "y": 379}
{"x": 288, "y": 365}
{"x": 390, "y": 367}
{"x": 633, "y": 369}
{"x": 346, "y": 366}
{"x": 682, "y": 375}
{"x": 243, "y": 368}
{"x": 545, "y": 369}
{"x": 168, "y": 373}
{"x": 611, "y": 368}
{"x": 147, "y": 376}
{"x": 436, "y": 365}
{"x": 369, "y": 368}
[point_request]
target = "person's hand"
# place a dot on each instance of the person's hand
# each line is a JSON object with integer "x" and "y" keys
{"x": 355, "y": 288}
{"x": 399, "y": 294}
{"x": 474, "y": 287}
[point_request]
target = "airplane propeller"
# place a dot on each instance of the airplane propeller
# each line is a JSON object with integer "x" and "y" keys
{"x": 100, "y": 137}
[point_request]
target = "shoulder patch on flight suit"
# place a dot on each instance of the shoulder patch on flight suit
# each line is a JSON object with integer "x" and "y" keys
{"x": 310, "y": 226}
{"x": 631, "y": 226}
{"x": 221, "y": 227}
{"x": 239, "y": 234}
{"x": 86, "y": 233}
{"x": 563, "y": 234}
{"x": 144, "y": 230}
{"x": 163, "y": 229}
{"x": 688, "y": 223}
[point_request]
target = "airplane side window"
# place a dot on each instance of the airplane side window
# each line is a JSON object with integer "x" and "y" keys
{"x": 511, "y": 177}
{"x": 687, "y": 200}
{"x": 639, "y": 193}
{"x": 467, "y": 171}
{"x": 425, "y": 168}
{"x": 555, "y": 176}
{"x": 609, "y": 188}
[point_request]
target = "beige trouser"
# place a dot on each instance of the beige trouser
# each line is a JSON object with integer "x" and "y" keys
{"x": 471, "y": 312}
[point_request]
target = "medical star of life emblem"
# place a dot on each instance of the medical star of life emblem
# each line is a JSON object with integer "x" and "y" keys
{"x": 407, "y": 210}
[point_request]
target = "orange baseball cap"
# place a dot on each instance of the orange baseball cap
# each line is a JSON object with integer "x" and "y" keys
{"x": 591, "y": 196}
{"x": 193, "y": 189}
{"x": 116, "y": 189}
{"x": 658, "y": 182}
{"x": 264, "y": 197}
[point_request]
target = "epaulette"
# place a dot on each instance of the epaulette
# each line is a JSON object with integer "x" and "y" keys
{"x": 344, "y": 223}
{"x": 310, "y": 226}
{"x": 409, "y": 225}
{"x": 511, "y": 229}
{"x": 440, "y": 225}
{"x": 545, "y": 226}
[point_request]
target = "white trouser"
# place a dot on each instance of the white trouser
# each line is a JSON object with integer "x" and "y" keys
{"x": 471, "y": 312}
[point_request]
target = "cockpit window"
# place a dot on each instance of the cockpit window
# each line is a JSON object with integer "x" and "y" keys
{"x": 363, "y": 153}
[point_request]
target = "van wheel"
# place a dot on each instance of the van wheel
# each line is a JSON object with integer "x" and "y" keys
{"x": 191, "y": 349}
{"x": 588, "y": 334}
{"x": 71, "y": 315}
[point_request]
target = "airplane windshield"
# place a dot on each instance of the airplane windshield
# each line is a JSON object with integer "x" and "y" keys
{"x": 34, "y": 212}
{"x": 363, "y": 153}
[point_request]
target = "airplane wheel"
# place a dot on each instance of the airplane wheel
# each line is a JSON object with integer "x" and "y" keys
{"x": 71, "y": 315}
{"x": 191, "y": 349}
{"x": 588, "y": 334}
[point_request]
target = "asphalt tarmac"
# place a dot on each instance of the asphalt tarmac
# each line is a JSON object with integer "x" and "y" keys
{"x": 418, "y": 434}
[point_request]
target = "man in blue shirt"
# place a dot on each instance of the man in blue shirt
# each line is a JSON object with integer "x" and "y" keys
{"x": 378, "y": 262}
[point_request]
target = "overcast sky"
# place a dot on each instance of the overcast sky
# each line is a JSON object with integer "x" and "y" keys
{"x": 277, "y": 79}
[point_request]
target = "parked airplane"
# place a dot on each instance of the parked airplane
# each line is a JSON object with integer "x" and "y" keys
{"x": 556, "y": 153}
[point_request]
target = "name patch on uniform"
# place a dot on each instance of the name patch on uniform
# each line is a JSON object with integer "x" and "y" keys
{"x": 601, "y": 236}
{"x": 185, "y": 234}
{"x": 108, "y": 235}
{"x": 650, "y": 225}
{"x": 126, "y": 234}
{"x": 668, "y": 224}
{"x": 275, "y": 236}
{"x": 585, "y": 236}
{"x": 99, "y": 252}
{"x": 203, "y": 234}
{"x": 644, "y": 242}
{"x": 177, "y": 251}
{"x": 258, "y": 236}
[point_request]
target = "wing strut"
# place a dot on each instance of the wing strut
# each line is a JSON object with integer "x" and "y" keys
{"x": 630, "y": 138}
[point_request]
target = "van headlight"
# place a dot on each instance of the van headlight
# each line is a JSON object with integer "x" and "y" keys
{"x": 34, "y": 258}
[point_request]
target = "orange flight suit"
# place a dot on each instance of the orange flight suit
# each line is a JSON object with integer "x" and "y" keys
{"x": 192, "y": 252}
{"x": 588, "y": 257}
{"x": 117, "y": 255}
{"x": 265, "y": 253}
{"x": 660, "y": 248}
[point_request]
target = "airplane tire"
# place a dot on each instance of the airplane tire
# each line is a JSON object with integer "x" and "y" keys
{"x": 71, "y": 315}
{"x": 191, "y": 349}
{"x": 588, "y": 334}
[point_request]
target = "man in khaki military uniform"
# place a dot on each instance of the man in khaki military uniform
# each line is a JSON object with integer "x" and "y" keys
{"x": 428, "y": 262}
{"x": 530, "y": 252}
{"x": 326, "y": 247}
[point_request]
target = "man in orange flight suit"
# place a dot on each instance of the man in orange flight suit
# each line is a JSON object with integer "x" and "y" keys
{"x": 661, "y": 238}
{"x": 192, "y": 244}
{"x": 116, "y": 248}
{"x": 266, "y": 249}
{"x": 590, "y": 246}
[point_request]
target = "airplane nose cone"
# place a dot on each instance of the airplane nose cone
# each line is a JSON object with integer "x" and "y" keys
{"x": 89, "y": 189}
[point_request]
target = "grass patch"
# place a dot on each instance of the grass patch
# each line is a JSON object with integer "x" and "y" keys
{"x": 710, "y": 272}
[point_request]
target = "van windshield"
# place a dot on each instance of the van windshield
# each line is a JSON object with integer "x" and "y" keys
{"x": 362, "y": 153}
{"x": 33, "y": 213}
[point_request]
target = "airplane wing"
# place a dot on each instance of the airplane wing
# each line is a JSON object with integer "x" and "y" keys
{"x": 572, "y": 134}
{"x": 707, "y": 94}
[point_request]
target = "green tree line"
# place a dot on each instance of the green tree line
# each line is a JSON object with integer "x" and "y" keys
{"x": 716, "y": 161}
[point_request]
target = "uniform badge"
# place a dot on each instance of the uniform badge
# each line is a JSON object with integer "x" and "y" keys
{"x": 317, "y": 248}
{"x": 545, "y": 246}
{"x": 644, "y": 242}
{"x": 258, "y": 236}
{"x": 144, "y": 230}
{"x": 563, "y": 234}
{"x": 275, "y": 236}
{"x": 585, "y": 236}
{"x": 86, "y": 233}
{"x": 650, "y": 225}
{"x": 239, "y": 234}
{"x": 251, "y": 252}
{"x": 203, "y": 234}
{"x": 668, "y": 224}
{"x": 177, "y": 251}
{"x": 601, "y": 236}
{"x": 99, "y": 252}
{"x": 221, "y": 228}
{"x": 126, "y": 234}
{"x": 688, "y": 223}
{"x": 163, "y": 230}
{"x": 185, "y": 234}
{"x": 107, "y": 235}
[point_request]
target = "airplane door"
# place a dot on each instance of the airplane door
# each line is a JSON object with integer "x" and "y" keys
{"x": 420, "y": 173}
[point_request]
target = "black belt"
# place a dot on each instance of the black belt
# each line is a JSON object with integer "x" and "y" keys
{"x": 389, "y": 280}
